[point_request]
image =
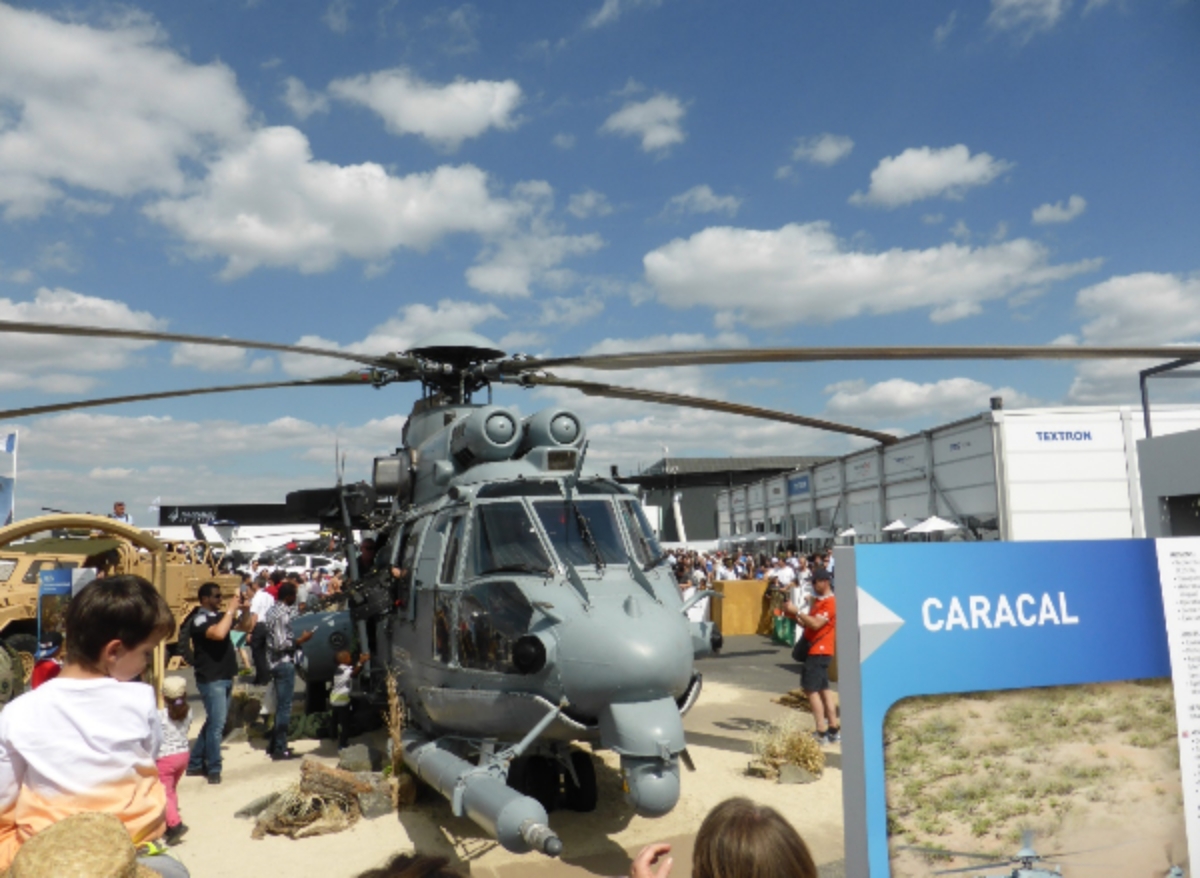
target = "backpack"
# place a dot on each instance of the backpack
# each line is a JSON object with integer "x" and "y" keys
{"x": 185, "y": 638}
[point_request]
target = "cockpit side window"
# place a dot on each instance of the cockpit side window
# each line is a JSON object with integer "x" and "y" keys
{"x": 562, "y": 522}
{"x": 645, "y": 545}
{"x": 453, "y": 549}
{"x": 504, "y": 540}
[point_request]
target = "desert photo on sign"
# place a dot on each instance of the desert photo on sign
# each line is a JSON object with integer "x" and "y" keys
{"x": 1085, "y": 779}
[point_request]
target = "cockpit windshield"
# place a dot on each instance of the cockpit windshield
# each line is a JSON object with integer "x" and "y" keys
{"x": 504, "y": 540}
{"x": 562, "y": 525}
{"x": 645, "y": 546}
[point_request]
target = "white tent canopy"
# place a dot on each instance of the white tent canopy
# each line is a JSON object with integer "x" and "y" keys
{"x": 932, "y": 525}
{"x": 817, "y": 533}
{"x": 898, "y": 524}
{"x": 848, "y": 532}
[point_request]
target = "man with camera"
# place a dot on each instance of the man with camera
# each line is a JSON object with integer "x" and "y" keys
{"x": 215, "y": 666}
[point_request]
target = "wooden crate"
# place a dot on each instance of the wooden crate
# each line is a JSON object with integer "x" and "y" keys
{"x": 741, "y": 610}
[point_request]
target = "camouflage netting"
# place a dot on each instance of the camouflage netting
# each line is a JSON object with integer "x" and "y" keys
{"x": 325, "y": 800}
{"x": 11, "y": 675}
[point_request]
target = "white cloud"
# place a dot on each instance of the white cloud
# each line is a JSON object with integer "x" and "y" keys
{"x": 701, "y": 199}
{"x": 32, "y": 355}
{"x": 1141, "y": 309}
{"x": 302, "y": 101}
{"x": 922, "y": 172}
{"x": 942, "y": 32}
{"x": 337, "y": 16}
{"x": 1027, "y": 16}
{"x": 676, "y": 341}
{"x": 222, "y": 460}
{"x": 444, "y": 114}
{"x": 823, "y": 149}
{"x": 567, "y": 311}
{"x": 109, "y": 110}
{"x": 803, "y": 273}
{"x": 207, "y": 358}
{"x": 611, "y": 10}
{"x": 1060, "y": 212}
{"x": 271, "y": 204}
{"x": 1136, "y": 309}
{"x": 413, "y": 325}
{"x": 898, "y": 399}
{"x": 563, "y": 140}
{"x": 932, "y": 219}
{"x": 532, "y": 252}
{"x": 784, "y": 172}
{"x": 522, "y": 341}
{"x": 658, "y": 121}
{"x": 588, "y": 203}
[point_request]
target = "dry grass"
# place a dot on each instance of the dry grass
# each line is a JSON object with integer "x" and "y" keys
{"x": 788, "y": 742}
{"x": 993, "y": 764}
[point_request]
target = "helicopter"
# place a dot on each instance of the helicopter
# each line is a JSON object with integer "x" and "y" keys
{"x": 1026, "y": 862}
{"x": 518, "y": 607}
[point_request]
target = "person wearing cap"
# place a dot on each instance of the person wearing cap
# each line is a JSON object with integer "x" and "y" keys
{"x": 49, "y": 659}
{"x": 820, "y": 631}
{"x": 174, "y": 723}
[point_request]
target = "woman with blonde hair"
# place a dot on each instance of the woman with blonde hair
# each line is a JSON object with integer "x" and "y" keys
{"x": 738, "y": 839}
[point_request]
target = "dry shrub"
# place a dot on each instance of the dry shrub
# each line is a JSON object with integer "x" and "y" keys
{"x": 788, "y": 742}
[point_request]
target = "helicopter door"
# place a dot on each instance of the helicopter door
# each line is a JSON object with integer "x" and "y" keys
{"x": 405, "y": 560}
{"x": 437, "y": 566}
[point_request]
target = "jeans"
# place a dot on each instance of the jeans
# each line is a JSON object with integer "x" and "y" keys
{"x": 206, "y": 752}
{"x": 284, "y": 677}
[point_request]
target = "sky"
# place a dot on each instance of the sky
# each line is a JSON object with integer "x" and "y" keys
{"x": 575, "y": 178}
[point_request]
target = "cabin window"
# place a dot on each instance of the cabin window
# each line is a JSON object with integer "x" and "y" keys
{"x": 521, "y": 488}
{"x": 491, "y": 618}
{"x": 645, "y": 546}
{"x": 504, "y": 540}
{"x": 561, "y": 522}
{"x": 453, "y": 547}
{"x": 7, "y": 566}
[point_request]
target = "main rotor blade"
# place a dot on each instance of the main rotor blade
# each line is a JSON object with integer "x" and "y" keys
{"x": 383, "y": 362}
{"x": 944, "y": 853}
{"x": 658, "y": 359}
{"x": 714, "y": 405}
{"x": 349, "y": 378}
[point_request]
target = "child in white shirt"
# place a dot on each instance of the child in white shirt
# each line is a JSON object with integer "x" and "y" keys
{"x": 87, "y": 740}
{"x": 174, "y": 723}
{"x": 339, "y": 696}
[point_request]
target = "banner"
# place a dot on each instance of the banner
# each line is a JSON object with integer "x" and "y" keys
{"x": 966, "y": 621}
{"x": 54, "y": 593}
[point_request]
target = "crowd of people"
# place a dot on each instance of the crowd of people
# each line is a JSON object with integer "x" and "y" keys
{"x": 89, "y": 739}
{"x": 801, "y": 586}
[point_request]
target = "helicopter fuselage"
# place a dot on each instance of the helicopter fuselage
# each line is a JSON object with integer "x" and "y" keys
{"x": 506, "y": 587}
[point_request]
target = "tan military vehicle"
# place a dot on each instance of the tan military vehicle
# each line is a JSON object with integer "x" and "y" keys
{"x": 188, "y": 565}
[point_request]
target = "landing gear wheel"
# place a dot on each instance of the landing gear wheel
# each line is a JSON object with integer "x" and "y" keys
{"x": 25, "y": 646}
{"x": 536, "y": 777}
{"x": 586, "y": 796}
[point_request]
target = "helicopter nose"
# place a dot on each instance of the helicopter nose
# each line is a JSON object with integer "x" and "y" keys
{"x": 626, "y": 648}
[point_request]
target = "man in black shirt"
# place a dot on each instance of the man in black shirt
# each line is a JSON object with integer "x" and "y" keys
{"x": 216, "y": 666}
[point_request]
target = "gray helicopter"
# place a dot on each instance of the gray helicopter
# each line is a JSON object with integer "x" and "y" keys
{"x": 1026, "y": 862}
{"x": 521, "y": 607}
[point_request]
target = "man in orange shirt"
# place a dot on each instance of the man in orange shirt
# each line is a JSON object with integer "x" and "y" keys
{"x": 820, "y": 630}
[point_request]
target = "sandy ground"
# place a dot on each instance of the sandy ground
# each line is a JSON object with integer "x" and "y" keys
{"x": 721, "y": 726}
{"x": 1124, "y": 812}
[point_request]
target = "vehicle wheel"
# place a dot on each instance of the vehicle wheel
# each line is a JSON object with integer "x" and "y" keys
{"x": 25, "y": 646}
{"x": 586, "y": 796}
{"x": 536, "y": 777}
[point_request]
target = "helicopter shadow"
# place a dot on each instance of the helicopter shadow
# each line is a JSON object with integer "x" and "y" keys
{"x": 587, "y": 837}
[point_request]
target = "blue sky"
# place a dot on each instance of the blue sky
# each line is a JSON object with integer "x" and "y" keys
{"x": 576, "y": 177}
